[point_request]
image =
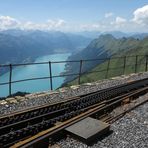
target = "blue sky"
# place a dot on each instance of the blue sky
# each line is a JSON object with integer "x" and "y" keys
{"x": 75, "y": 15}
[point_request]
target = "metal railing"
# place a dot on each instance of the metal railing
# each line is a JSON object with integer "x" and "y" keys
{"x": 78, "y": 75}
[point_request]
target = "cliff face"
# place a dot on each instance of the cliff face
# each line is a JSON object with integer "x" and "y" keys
{"x": 100, "y": 48}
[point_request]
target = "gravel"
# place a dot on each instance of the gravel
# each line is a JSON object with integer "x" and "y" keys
{"x": 18, "y": 103}
{"x": 131, "y": 131}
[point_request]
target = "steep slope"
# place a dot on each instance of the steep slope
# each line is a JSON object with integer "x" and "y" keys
{"x": 101, "y": 48}
{"x": 133, "y": 48}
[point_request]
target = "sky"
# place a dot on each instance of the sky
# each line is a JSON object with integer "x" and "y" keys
{"x": 75, "y": 15}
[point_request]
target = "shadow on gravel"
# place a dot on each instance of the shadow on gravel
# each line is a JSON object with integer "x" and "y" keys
{"x": 22, "y": 94}
{"x": 100, "y": 138}
{"x": 64, "y": 135}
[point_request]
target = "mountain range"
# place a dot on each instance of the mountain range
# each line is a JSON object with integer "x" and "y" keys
{"x": 116, "y": 34}
{"x": 20, "y": 46}
{"x": 106, "y": 46}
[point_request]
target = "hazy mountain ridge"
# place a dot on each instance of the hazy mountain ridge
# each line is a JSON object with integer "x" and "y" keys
{"x": 19, "y": 46}
{"x": 116, "y": 34}
{"x": 16, "y": 45}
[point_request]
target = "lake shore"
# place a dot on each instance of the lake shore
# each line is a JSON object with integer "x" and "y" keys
{"x": 35, "y": 71}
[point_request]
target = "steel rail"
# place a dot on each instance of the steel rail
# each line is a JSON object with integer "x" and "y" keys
{"x": 72, "y": 98}
{"x": 113, "y": 119}
{"x": 44, "y": 135}
{"x": 61, "y": 110}
{"x": 85, "y": 102}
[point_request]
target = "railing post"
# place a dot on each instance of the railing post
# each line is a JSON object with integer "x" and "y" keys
{"x": 50, "y": 72}
{"x": 10, "y": 79}
{"x": 80, "y": 71}
{"x": 146, "y": 63}
{"x": 107, "y": 70}
{"x": 124, "y": 65}
{"x": 136, "y": 63}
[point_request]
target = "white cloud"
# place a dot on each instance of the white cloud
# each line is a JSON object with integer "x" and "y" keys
{"x": 7, "y": 22}
{"x": 33, "y": 26}
{"x": 139, "y": 22}
{"x": 141, "y": 15}
{"x": 89, "y": 27}
{"x": 56, "y": 23}
{"x": 120, "y": 21}
{"x": 110, "y": 14}
{"x": 49, "y": 25}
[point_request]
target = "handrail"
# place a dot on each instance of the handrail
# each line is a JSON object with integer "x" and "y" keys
{"x": 80, "y": 72}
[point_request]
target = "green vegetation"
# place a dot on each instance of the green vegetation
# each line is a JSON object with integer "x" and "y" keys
{"x": 103, "y": 47}
{"x": 116, "y": 65}
{"x": 116, "y": 68}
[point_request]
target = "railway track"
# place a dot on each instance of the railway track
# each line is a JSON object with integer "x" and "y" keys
{"x": 35, "y": 126}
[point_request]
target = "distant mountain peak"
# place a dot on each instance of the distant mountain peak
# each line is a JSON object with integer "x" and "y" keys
{"x": 107, "y": 36}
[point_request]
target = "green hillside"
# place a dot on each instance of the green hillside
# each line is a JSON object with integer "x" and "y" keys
{"x": 103, "y": 47}
{"x": 116, "y": 65}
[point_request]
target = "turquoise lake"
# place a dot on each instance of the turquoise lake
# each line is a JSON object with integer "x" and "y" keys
{"x": 34, "y": 71}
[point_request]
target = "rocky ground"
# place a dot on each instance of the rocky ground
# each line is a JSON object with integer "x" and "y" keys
{"x": 19, "y": 103}
{"x": 131, "y": 131}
